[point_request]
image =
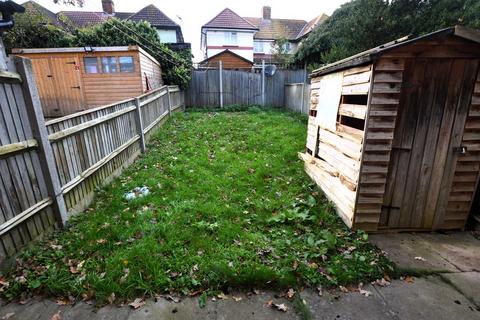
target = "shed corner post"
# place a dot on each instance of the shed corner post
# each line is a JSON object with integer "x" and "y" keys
{"x": 139, "y": 124}
{"x": 39, "y": 131}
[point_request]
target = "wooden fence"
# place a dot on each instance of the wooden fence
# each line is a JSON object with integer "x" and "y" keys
{"x": 51, "y": 170}
{"x": 207, "y": 88}
{"x": 297, "y": 97}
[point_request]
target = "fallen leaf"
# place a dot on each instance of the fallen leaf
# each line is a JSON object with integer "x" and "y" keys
{"x": 8, "y": 315}
{"x": 63, "y": 301}
{"x": 320, "y": 291}
{"x": 56, "y": 316}
{"x": 137, "y": 303}
{"x": 409, "y": 279}
{"x": 381, "y": 282}
{"x": 290, "y": 293}
{"x": 237, "y": 298}
{"x": 420, "y": 259}
{"x": 269, "y": 303}
{"x": 366, "y": 293}
{"x": 343, "y": 289}
{"x": 222, "y": 296}
{"x": 295, "y": 265}
{"x": 111, "y": 298}
{"x": 280, "y": 307}
{"x": 101, "y": 241}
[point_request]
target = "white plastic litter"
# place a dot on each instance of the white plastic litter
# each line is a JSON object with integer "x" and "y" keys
{"x": 138, "y": 192}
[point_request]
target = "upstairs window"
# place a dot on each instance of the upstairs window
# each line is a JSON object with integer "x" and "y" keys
{"x": 109, "y": 64}
{"x": 91, "y": 65}
{"x": 258, "y": 47}
{"x": 231, "y": 38}
{"x": 126, "y": 64}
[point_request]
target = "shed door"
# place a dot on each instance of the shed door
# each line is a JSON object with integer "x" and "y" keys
{"x": 434, "y": 103}
{"x": 46, "y": 87}
{"x": 67, "y": 79}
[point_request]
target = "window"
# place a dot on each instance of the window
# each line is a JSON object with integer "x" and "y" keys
{"x": 109, "y": 64}
{"x": 287, "y": 47}
{"x": 126, "y": 64}
{"x": 167, "y": 36}
{"x": 258, "y": 47}
{"x": 231, "y": 38}
{"x": 91, "y": 65}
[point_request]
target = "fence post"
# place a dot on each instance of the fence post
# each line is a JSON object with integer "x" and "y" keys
{"x": 39, "y": 131}
{"x": 169, "y": 100}
{"x": 220, "y": 64}
{"x": 139, "y": 124}
{"x": 263, "y": 83}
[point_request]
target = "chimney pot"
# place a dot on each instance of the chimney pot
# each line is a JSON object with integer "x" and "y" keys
{"x": 267, "y": 12}
{"x": 108, "y": 7}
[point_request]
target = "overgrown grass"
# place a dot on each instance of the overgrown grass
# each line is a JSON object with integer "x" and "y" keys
{"x": 230, "y": 207}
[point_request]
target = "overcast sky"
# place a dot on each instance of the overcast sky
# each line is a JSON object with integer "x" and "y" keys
{"x": 192, "y": 14}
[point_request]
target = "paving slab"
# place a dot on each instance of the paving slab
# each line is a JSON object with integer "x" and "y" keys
{"x": 461, "y": 249}
{"x": 468, "y": 283}
{"x": 403, "y": 248}
{"x": 347, "y": 306}
{"x": 243, "y": 308}
{"x": 427, "y": 298}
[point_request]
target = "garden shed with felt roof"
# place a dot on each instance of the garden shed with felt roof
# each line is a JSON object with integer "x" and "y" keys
{"x": 70, "y": 80}
{"x": 394, "y": 133}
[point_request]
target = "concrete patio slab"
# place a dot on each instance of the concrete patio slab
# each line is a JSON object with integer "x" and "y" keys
{"x": 461, "y": 249}
{"x": 468, "y": 283}
{"x": 427, "y": 298}
{"x": 346, "y": 306}
{"x": 403, "y": 248}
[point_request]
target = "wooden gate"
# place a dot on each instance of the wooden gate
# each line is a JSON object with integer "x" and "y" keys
{"x": 61, "y": 93}
{"x": 434, "y": 105}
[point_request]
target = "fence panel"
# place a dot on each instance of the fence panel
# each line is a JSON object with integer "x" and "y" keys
{"x": 297, "y": 97}
{"x": 25, "y": 204}
{"x": 239, "y": 87}
{"x": 49, "y": 170}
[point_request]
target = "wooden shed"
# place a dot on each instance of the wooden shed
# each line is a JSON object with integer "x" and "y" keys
{"x": 74, "y": 79}
{"x": 394, "y": 133}
{"x": 229, "y": 59}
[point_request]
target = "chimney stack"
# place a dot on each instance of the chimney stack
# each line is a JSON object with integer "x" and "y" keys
{"x": 267, "y": 12}
{"x": 108, "y": 7}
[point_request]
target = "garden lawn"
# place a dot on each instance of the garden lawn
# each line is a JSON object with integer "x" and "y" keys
{"x": 230, "y": 207}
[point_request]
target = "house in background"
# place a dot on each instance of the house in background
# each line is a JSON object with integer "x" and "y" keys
{"x": 168, "y": 30}
{"x": 254, "y": 38}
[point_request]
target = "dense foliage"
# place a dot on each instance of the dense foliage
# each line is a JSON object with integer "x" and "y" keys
{"x": 362, "y": 24}
{"x": 33, "y": 30}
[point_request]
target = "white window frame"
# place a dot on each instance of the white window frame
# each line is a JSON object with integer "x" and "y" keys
{"x": 231, "y": 38}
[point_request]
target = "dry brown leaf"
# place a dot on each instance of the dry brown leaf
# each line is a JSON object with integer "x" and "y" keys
{"x": 269, "y": 303}
{"x": 420, "y": 259}
{"x": 137, "y": 303}
{"x": 295, "y": 265}
{"x": 343, "y": 289}
{"x": 56, "y": 316}
{"x": 63, "y": 301}
{"x": 237, "y": 298}
{"x": 409, "y": 279}
{"x": 111, "y": 298}
{"x": 101, "y": 241}
{"x": 222, "y": 296}
{"x": 320, "y": 291}
{"x": 290, "y": 293}
{"x": 280, "y": 307}
{"x": 8, "y": 315}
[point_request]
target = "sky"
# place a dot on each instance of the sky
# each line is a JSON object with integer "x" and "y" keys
{"x": 191, "y": 14}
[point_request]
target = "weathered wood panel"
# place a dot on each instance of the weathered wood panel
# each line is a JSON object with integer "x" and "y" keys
{"x": 239, "y": 87}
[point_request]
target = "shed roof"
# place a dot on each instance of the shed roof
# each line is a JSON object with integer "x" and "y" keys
{"x": 227, "y": 51}
{"x": 372, "y": 54}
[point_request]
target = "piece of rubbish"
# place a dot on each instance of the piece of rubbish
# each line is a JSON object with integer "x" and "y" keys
{"x": 138, "y": 192}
